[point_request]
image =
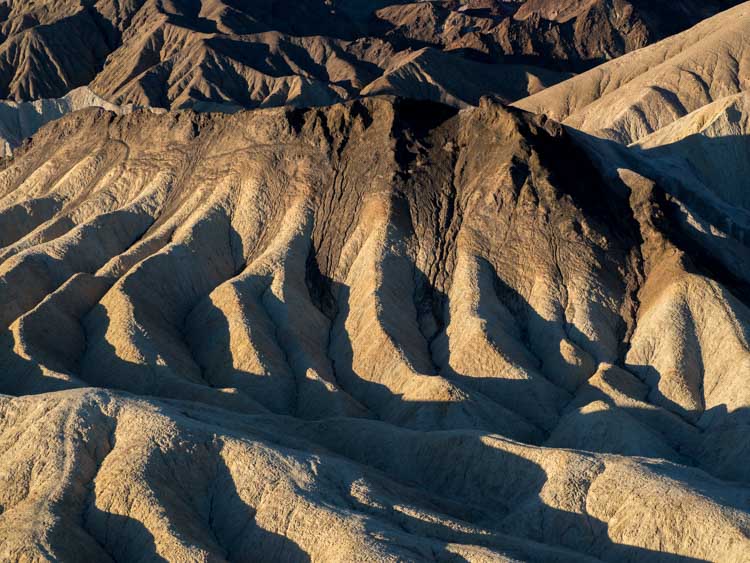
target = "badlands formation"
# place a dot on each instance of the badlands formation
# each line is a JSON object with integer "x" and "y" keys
{"x": 58, "y": 56}
{"x": 641, "y": 92}
{"x": 20, "y": 120}
{"x": 409, "y": 324}
{"x": 200, "y": 53}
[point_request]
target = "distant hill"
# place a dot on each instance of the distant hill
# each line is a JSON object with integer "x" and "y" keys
{"x": 184, "y": 53}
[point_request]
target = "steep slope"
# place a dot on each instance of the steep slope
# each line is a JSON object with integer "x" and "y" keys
{"x": 709, "y": 147}
{"x": 379, "y": 330}
{"x": 631, "y": 97}
{"x": 200, "y": 53}
{"x": 50, "y": 48}
{"x": 170, "y": 60}
{"x": 700, "y": 163}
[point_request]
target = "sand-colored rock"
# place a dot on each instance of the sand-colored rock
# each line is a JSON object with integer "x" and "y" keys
{"x": 382, "y": 330}
{"x": 144, "y": 479}
{"x": 706, "y": 151}
{"x": 633, "y": 96}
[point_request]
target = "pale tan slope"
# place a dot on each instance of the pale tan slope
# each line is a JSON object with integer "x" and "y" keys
{"x": 723, "y": 118}
{"x": 643, "y": 91}
{"x": 611, "y": 413}
{"x": 690, "y": 343}
{"x": 691, "y": 340}
{"x": 484, "y": 345}
{"x": 707, "y": 150}
{"x": 143, "y": 479}
{"x": 430, "y": 292}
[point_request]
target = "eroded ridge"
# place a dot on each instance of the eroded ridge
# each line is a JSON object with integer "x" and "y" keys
{"x": 382, "y": 330}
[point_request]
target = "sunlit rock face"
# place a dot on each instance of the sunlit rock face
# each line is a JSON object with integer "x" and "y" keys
{"x": 383, "y": 330}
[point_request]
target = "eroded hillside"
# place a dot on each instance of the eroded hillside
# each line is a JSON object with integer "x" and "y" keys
{"x": 200, "y": 53}
{"x": 634, "y": 96}
{"x": 381, "y": 330}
